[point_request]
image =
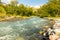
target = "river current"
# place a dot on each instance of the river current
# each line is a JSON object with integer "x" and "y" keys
{"x": 25, "y": 29}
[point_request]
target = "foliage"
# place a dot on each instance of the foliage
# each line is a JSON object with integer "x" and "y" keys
{"x": 50, "y": 9}
{"x": 2, "y": 12}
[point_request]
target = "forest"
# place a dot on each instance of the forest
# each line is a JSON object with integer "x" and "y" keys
{"x": 49, "y": 9}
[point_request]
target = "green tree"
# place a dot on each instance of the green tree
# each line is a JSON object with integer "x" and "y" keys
{"x": 55, "y": 6}
{"x": 25, "y": 10}
{"x": 2, "y": 12}
{"x": 29, "y": 11}
{"x": 21, "y": 10}
{"x": 9, "y": 9}
{"x": 43, "y": 11}
{"x": 12, "y": 6}
{"x": 51, "y": 8}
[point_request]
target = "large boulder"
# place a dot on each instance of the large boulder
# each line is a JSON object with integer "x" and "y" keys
{"x": 57, "y": 27}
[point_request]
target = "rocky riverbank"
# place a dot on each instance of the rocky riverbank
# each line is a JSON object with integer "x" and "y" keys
{"x": 10, "y": 19}
{"x": 15, "y": 18}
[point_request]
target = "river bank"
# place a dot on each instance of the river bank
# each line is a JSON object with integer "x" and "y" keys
{"x": 54, "y": 18}
{"x": 15, "y": 18}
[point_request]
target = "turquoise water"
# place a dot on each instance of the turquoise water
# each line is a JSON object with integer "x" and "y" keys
{"x": 24, "y": 28}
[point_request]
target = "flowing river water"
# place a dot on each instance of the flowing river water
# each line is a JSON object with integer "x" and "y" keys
{"x": 22, "y": 29}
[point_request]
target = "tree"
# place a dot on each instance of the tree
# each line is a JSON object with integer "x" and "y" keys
{"x": 13, "y": 6}
{"x": 29, "y": 11}
{"x": 43, "y": 11}
{"x": 21, "y": 10}
{"x": 14, "y": 3}
{"x": 55, "y": 5}
{"x": 25, "y": 10}
{"x": 2, "y": 12}
{"x": 51, "y": 8}
{"x": 9, "y": 9}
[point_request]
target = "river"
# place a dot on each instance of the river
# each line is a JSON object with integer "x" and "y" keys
{"x": 22, "y": 29}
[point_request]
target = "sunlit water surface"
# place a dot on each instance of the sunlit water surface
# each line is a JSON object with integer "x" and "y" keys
{"x": 23, "y": 29}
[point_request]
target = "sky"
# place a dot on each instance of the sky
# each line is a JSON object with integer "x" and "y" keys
{"x": 34, "y": 3}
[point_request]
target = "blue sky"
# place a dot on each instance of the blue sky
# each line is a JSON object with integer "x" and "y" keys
{"x": 34, "y": 3}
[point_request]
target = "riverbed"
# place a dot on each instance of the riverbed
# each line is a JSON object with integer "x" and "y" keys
{"x": 24, "y": 29}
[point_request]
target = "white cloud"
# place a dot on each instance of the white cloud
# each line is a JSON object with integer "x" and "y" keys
{"x": 6, "y": 1}
{"x": 35, "y": 6}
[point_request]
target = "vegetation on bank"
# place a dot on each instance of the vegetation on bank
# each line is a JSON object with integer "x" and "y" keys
{"x": 50, "y": 9}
